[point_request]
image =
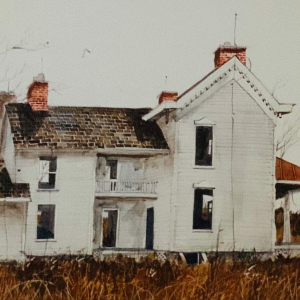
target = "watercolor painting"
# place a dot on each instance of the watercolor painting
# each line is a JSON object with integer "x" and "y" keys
{"x": 149, "y": 149}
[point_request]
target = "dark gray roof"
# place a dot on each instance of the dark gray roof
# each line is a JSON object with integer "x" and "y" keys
{"x": 63, "y": 127}
{"x": 8, "y": 189}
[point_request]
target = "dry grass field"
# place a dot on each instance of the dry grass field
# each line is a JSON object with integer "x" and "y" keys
{"x": 124, "y": 278}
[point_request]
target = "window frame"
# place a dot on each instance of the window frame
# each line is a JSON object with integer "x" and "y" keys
{"x": 54, "y": 224}
{"x": 205, "y": 122}
{"x": 197, "y": 187}
{"x": 110, "y": 162}
{"x": 42, "y": 186}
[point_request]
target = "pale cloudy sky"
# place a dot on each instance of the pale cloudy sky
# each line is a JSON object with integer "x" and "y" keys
{"x": 131, "y": 46}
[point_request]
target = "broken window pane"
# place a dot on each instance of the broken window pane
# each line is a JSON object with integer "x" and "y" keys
{"x": 47, "y": 172}
{"x": 203, "y": 206}
{"x": 204, "y": 145}
{"x": 45, "y": 221}
{"x": 109, "y": 228}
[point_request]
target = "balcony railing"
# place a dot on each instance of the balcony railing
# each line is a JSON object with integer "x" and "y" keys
{"x": 115, "y": 186}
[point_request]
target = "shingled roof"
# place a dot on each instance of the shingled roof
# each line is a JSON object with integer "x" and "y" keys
{"x": 287, "y": 176}
{"x": 63, "y": 127}
{"x": 286, "y": 170}
{"x": 8, "y": 189}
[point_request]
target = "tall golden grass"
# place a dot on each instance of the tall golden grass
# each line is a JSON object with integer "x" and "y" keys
{"x": 124, "y": 278}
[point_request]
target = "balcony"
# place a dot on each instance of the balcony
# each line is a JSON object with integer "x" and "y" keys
{"x": 132, "y": 189}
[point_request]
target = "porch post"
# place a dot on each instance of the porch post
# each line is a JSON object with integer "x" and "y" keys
{"x": 286, "y": 228}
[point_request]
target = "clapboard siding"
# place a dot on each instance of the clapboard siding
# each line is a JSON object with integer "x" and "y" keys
{"x": 131, "y": 226}
{"x": 12, "y": 230}
{"x": 160, "y": 169}
{"x": 242, "y": 174}
{"x": 73, "y": 200}
{"x": 8, "y": 150}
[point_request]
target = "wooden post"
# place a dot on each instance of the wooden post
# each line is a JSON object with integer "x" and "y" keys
{"x": 286, "y": 228}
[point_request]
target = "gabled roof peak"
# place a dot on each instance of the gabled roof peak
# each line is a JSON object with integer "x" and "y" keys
{"x": 233, "y": 69}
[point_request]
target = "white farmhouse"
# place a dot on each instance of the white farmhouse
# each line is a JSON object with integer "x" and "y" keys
{"x": 194, "y": 174}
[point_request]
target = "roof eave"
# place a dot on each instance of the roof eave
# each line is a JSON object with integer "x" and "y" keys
{"x": 91, "y": 152}
{"x": 285, "y": 108}
{"x": 289, "y": 182}
{"x": 15, "y": 199}
{"x": 159, "y": 109}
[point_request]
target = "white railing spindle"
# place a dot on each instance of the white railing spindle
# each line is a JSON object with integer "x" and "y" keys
{"x": 115, "y": 186}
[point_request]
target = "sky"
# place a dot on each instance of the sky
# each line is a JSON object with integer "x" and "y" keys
{"x": 123, "y": 53}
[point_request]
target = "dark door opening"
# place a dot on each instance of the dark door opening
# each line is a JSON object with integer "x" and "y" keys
{"x": 109, "y": 228}
{"x": 150, "y": 228}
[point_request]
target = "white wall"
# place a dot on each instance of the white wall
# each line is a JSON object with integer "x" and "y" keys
{"x": 128, "y": 168}
{"x": 12, "y": 230}
{"x": 131, "y": 228}
{"x": 73, "y": 200}
{"x": 243, "y": 175}
{"x": 8, "y": 150}
{"x": 161, "y": 168}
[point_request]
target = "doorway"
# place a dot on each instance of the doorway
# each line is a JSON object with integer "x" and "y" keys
{"x": 109, "y": 228}
{"x": 150, "y": 228}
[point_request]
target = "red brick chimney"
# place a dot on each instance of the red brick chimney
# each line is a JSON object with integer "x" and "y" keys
{"x": 226, "y": 51}
{"x": 37, "y": 94}
{"x": 167, "y": 96}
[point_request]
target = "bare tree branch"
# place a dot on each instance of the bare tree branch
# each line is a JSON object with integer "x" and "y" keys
{"x": 289, "y": 136}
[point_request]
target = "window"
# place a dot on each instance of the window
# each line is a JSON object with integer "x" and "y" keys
{"x": 204, "y": 145}
{"x": 203, "y": 206}
{"x": 45, "y": 221}
{"x": 47, "y": 173}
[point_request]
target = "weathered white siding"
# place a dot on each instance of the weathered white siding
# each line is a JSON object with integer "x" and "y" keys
{"x": 8, "y": 150}
{"x": 131, "y": 228}
{"x": 160, "y": 169}
{"x": 12, "y": 230}
{"x": 73, "y": 198}
{"x": 242, "y": 174}
{"x": 128, "y": 169}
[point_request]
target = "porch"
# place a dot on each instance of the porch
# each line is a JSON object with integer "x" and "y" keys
{"x": 123, "y": 225}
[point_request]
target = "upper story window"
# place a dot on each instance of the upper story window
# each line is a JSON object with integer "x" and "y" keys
{"x": 47, "y": 175}
{"x": 112, "y": 168}
{"x": 204, "y": 146}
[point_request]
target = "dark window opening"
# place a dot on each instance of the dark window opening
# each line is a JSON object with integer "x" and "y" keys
{"x": 204, "y": 145}
{"x": 48, "y": 167}
{"x": 203, "y": 206}
{"x": 113, "y": 168}
{"x": 45, "y": 221}
{"x": 109, "y": 228}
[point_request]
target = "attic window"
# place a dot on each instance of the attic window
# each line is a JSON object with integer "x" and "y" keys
{"x": 204, "y": 146}
{"x": 47, "y": 174}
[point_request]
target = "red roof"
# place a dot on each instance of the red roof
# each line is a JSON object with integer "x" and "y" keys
{"x": 286, "y": 170}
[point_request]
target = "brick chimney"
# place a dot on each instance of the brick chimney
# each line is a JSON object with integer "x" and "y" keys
{"x": 167, "y": 96}
{"x": 227, "y": 51}
{"x": 37, "y": 95}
